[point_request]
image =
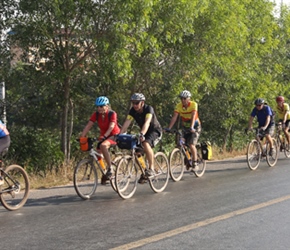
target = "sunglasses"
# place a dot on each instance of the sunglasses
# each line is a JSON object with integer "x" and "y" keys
{"x": 101, "y": 106}
{"x": 136, "y": 103}
{"x": 259, "y": 105}
{"x": 183, "y": 98}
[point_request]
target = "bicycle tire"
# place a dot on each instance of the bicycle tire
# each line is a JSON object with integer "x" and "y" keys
{"x": 112, "y": 179}
{"x": 253, "y": 154}
{"x": 16, "y": 180}
{"x": 176, "y": 164}
{"x": 85, "y": 179}
{"x": 201, "y": 166}
{"x": 286, "y": 149}
{"x": 126, "y": 177}
{"x": 161, "y": 166}
{"x": 272, "y": 159}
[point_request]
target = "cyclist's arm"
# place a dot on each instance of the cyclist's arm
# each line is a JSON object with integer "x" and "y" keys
{"x": 126, "y": 124}
{"x": 110, "y": 129}
{"x": 250, "y": 126}
{"x": 146, "y": 124}
{"x": 173, "y": 120}
{"x": 268, "y": 119}
{"x": 87, "y": 128}
{"x": 285, "y": 116}
{"x": 193, "y": 118}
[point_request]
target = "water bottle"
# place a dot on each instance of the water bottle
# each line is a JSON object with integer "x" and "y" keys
{"x": 141, "y": 161}
{"x": 102, "y": 163}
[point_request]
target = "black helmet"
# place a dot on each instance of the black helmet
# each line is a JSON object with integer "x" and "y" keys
{"x": 259, "y": 101}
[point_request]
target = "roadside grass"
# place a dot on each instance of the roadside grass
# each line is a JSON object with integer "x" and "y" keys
{"x": 63, "y": 175}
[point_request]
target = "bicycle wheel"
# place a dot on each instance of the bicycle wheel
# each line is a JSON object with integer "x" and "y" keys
{"x": 126, "y": 178}
{"x": 272, "y": 159}
{"x": 85, "y": 179}
{"x": 201, "y": 165}
{"x": 112, "y": 179}
{"x": 15, "y": 188}
{"x": 253, "y": 155}
{"x": 159, "y": 181}
{"x": 176, "y": 164}
{"x": 286, "y": 149}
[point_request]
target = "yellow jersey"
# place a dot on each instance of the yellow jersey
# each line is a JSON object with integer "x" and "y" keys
{"x": 282, "y": 110}
{"x": 185, "y": 113}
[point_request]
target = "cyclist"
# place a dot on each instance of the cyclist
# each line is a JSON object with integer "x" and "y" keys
{"x": 150, "y": 129}
{"x": 188, "y": 111}
{"x": 265, "y": 119}
{"x": 107, "y": 122}
{"x": 4, "y": 142}
{"x": 283, "y": 115}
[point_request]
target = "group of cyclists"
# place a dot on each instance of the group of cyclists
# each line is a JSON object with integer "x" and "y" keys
{"x": 150, "y": 129}
{"x": 266, "y": 119}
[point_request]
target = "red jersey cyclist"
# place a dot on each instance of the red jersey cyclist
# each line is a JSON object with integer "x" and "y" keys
{"x": 4, "y": 141}
{"x": 108, "y": 130}
{"x": 283, "y": 112}
{"x": 188, "y": 111}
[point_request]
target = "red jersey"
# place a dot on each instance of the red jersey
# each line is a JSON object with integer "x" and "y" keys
{"x": 103, "y": 122}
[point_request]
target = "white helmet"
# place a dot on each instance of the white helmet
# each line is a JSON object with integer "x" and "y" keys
{"x": 185, "y": 94}
{"x": 138, "y": 97}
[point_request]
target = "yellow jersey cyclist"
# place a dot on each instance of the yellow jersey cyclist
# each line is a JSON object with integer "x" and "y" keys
{"x": 188, "y": 111}
{"x": 150, "y": 129}
{"x": 265, "y": 120}
{"x": 283, "y": 112}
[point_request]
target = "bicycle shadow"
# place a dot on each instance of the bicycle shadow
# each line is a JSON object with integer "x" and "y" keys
{"x": 53, "y": 196}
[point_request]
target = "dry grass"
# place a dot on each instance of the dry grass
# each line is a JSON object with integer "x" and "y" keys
{"x": 65, "y": 175}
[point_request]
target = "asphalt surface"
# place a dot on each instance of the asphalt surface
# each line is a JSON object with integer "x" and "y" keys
{"x": 230, "y": 207}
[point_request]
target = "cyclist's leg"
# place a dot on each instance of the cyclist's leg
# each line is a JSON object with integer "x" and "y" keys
{"x": 4, "y": 143}
{"x": 191, "y": 139}
{"x": 151, "y": 139}
{"x": 286, "y": 131}
{"x": 269, "y": 132}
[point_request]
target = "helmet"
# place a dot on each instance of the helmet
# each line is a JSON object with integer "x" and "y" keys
{"x": 102, "y": 101}
{"x": 185, "y": 94}
{"x": 259, "y": 101}
{"x": 280, "y": 99}
{"x": 138, "y": 97}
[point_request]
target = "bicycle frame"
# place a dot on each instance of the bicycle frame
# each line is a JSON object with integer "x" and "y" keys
{"x": 130, "y": 166}
{"x": 181, "y": 155}
{"x": 11, "y": 188}
{"x": 282, "y": 140}
{"x": 256, "y": 151}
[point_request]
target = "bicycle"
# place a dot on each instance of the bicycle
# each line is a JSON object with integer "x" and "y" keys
{"x": 256, "y": 150}
{"x": 281, "y": 140}
{"x": 181, "y": 157}
{"x": 15, "y": 189}
{"x": 86, "y": 175}
{"x": 131, "y": 166}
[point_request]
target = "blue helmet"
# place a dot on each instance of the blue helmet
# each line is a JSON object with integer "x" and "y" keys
{"x": 102, "y": 101}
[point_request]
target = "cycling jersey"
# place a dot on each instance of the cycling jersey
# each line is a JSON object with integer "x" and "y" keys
{"x": 140, "y": 118}
{"x": 103, "y": 122}
{"x": 282, "y": 110}
{"x": 3, "y": 130}
{"x": 185, "y": 114}
{"x": 262, "y": 115}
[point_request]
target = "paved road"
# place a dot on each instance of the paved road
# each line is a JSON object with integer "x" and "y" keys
{"x": 230, "y": 207}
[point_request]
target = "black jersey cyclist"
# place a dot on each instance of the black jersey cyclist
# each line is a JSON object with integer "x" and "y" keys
{"x": 150, "y": 129}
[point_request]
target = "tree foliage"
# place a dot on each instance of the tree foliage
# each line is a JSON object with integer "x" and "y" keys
{"x": 226, "y": 52}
